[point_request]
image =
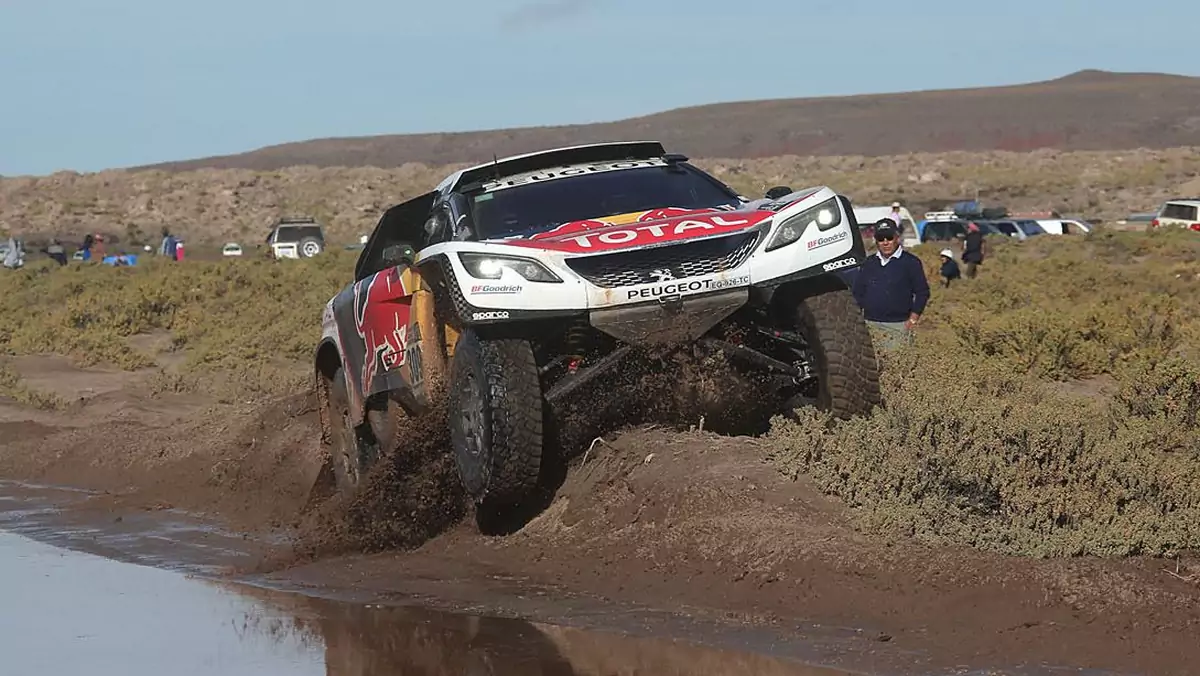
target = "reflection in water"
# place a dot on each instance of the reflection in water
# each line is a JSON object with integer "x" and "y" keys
{"x": 65, "y": 612}
{"x": 388, "y": 640}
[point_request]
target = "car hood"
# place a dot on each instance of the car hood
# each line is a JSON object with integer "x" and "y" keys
{"x": 641, "y": 229}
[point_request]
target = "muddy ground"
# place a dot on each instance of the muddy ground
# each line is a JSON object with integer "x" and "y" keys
{"x": 689, "y": 521}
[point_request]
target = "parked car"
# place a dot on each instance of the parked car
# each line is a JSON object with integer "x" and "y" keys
{"x": 231, "y": 249}
{"x": 868, "y": 216}
{"x": 301, "y": 237}
{"x": 1021, "y": 229}
{"x": 1181, "y": 212}
{"x": 1065, "y": 226}
{"x": 945, "y": 226}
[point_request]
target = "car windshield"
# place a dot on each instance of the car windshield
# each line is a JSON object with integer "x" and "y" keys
{"x": 1009, "y": 229}
{"x": 536, "y": 207}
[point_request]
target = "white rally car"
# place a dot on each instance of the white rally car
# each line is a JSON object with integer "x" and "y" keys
{"x": 525, "y": 284}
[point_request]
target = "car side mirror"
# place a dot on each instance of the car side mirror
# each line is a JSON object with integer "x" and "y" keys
{"x": 398, "y": 254}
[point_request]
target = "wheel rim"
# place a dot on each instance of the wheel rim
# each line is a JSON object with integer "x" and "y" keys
{"x": 311, "y": 249}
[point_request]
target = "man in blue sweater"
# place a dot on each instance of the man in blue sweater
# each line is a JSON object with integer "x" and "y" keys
{"x": 891, "y": 287}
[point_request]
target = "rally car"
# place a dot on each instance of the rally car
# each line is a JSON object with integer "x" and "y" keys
{"x": 515, "y": 285}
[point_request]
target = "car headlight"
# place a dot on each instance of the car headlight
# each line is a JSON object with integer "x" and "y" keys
{"x": 487, "y": 266}
{"x": 826, "y": 215}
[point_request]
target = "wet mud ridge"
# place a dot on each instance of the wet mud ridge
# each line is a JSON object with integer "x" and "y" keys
{"x": 652, "y": 530}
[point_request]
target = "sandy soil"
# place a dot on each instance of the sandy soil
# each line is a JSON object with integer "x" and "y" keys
{"x": 685, "y": 521}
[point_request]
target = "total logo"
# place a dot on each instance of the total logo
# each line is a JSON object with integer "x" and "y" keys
{"x": 496, "y": 288}
{"x": 825, "y": 241}
{"x": 659, "y": 231}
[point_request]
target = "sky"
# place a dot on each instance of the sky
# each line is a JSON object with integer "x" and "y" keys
{"x": 92, "y": 84}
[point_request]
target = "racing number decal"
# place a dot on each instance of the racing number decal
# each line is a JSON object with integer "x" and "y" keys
{"x": 413, "y": 357}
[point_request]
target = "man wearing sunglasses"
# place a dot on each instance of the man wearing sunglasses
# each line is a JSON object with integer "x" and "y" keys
{"x": 891, "y": 287}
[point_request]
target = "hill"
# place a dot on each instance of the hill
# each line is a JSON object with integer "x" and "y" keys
{"x": 1087, "y": 110}
{"x": 211, "y": 206}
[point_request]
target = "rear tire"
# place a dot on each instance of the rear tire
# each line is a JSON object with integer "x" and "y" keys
{"x": 353, "y": 450}
{"x": 842, "y": 352}
{"x": 496, "y": 420}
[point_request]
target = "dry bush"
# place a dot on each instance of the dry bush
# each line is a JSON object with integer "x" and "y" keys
{"x": 242, "y": 325}
{"x": 14, "y": 388}
{"x": 977, "y": 446}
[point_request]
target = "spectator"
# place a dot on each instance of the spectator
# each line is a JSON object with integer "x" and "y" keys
{"x": 950, "y": 270}
{"x": 88, "y": 242}
{"x": 169, "y": 246}
{"x": 14, "y": 254}
{"x": 56, "y": 251}
{"x": 894, "y": 216}
{"x": 891, "y": 287}
{"x": 972, "y": 253}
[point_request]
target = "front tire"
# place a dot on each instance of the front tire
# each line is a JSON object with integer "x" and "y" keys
{"x": 496, "y": 419}
{"x": 842, "y": 352}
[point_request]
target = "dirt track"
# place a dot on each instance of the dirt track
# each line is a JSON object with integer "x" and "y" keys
{"x": 690, "y": 522}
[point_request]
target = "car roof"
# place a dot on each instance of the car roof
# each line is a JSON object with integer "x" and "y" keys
{"x": 553, "y": 157}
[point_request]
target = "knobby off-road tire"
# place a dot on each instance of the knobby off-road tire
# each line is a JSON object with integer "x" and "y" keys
{"x": 842, "y": 351}
{"x": 496, "y": 419}
{"x": 352, "y": 451}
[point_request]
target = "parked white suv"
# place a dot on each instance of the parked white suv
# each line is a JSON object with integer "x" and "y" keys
{"x": 1183, "y": 213}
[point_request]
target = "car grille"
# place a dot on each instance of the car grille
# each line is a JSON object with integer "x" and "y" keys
{"x": 642, "y": 266}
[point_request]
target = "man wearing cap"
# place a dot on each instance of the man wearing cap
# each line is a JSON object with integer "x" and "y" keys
{"x": 891, "y": 287}
{"x": 972, "y": 252}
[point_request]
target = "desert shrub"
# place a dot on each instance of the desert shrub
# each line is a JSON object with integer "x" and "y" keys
{"x": 14, "y": 388}
{"x": 245, "y": 319}
{"x": 974, "y": 445}
{"x": 1060, "y": 308}
{"x": 994, "y": 459}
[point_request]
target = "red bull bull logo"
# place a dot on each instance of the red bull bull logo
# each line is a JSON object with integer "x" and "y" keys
{"x": 382, "y": 307}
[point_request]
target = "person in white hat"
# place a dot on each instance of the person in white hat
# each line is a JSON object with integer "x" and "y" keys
{"x": 896, "y": 218}
{"x": 950, "y": 271}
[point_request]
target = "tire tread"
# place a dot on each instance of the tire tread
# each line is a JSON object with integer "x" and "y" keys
{"x": 841, "y": 338}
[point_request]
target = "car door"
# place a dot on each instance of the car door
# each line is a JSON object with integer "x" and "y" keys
{"x": 383, "y": 318}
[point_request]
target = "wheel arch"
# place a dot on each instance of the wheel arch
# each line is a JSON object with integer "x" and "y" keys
{"x": 788, "y": 294}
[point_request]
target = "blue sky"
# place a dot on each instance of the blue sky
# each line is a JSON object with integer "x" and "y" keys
{"x": 92, "y": 84}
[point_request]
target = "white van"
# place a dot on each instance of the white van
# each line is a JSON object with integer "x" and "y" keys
{"x": 908, "y": 227}
{"x": 1184, "y": 213}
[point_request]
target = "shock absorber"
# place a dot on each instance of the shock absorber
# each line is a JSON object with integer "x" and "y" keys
{"x": 574, "y": 342}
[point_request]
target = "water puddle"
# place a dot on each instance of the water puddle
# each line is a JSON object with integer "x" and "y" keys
{"x": 88, "y": 590}
{"x": 68, "y": 612}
